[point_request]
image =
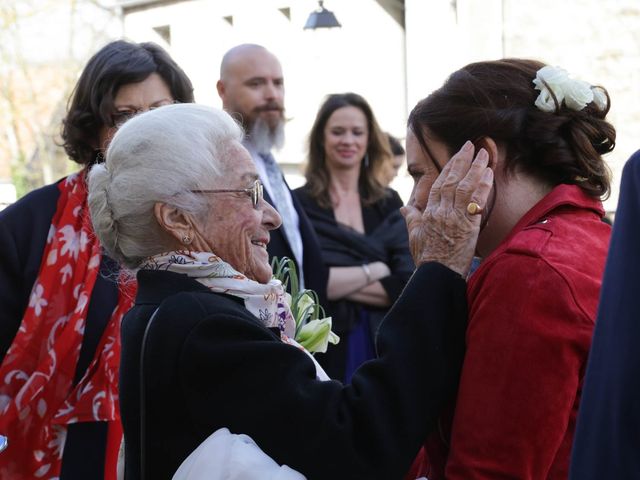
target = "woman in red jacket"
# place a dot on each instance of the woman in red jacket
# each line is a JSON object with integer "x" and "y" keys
{"x": 532, "y": 301}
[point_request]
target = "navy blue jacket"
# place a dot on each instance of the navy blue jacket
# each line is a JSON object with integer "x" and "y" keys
{"x": 607, "y": 440}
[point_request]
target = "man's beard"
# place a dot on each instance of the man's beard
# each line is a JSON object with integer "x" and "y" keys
{"x": 265, "y": 138}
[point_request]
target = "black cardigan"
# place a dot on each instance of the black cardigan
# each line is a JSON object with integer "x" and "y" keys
{"x": 373, "y": 216}
{"x": 211, "y": 364}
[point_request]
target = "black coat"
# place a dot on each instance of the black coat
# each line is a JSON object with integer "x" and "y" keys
{"x": 24, "y": 227}
{"x": 209, "y": 364}
{"x": 385, "y": 239}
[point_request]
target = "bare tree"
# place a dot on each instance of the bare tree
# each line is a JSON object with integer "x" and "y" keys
{"x": 39, "y": 61}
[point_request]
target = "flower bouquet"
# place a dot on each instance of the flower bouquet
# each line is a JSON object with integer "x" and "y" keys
{"x": 313, "y": 328}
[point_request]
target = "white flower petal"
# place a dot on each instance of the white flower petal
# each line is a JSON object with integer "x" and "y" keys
{"x": 51, "y": 234}
{"x": 314, "y": 336}
{"x": 545, "y": 102}
{"x": 578, "y": 94}
{"x": 42, "y": 471}
{"x": 52, "y": 257}
{"x": 550, "y": 80}
{"x": 553, "y": 76}
{"x": 599, "y": 98}
{"x": 66, "y": 272}
{"x": 42, "y": 407}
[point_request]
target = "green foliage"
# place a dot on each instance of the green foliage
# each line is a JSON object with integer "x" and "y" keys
{"x": 313, "y": 329}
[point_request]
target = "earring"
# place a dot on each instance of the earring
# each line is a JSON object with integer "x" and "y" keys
{"x": 366, "y": 160}
{"x": 186, "y": 239}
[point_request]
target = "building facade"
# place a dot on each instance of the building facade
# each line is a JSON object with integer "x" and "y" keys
{"x": 395, "y": 52}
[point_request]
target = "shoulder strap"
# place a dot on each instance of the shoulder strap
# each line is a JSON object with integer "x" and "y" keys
{"x": 142, "y": 397}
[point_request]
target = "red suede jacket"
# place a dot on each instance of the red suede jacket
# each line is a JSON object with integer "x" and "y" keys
{"x": 532, "y": 307}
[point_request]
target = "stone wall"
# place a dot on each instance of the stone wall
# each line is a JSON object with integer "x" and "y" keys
{"x": 595, "y": 40}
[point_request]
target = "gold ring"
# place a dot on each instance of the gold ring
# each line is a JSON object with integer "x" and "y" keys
{"x": 474, "y": 209}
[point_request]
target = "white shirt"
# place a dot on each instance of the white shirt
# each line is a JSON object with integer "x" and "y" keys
{"x": 262, "y": 173}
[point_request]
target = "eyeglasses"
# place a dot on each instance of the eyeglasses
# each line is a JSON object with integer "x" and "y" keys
{"x": 120, "y": 118}
{"x": 256, "y": 192}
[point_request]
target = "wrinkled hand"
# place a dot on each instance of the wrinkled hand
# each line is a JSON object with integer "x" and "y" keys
{"x": 443, "y": 231}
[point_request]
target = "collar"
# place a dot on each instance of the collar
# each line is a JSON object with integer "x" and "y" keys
{"x": 156, "y": 285}
{"x": 252, "y": 149}
{"x": 562, "y": 195}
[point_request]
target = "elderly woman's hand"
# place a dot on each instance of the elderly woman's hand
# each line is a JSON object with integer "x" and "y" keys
{"x": 446, "y": 229}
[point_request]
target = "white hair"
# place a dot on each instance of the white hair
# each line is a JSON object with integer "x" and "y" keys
{"x": 264, "y": 138}
{"x": 158, "y": 156}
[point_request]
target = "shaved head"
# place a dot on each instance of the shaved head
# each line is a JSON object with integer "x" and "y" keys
{"x": 251, "y": 87}
{"x": 238, "y": 55}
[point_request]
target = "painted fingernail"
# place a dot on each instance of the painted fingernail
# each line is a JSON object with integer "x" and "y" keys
{"x": 467, "y": 146}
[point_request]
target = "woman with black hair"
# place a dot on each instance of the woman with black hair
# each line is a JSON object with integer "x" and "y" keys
{"x": 533, "y": 299}
{"x": 59, "y": 313}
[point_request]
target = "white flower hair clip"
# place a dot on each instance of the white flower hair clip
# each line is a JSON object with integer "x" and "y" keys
{"x": 576, "y": 94}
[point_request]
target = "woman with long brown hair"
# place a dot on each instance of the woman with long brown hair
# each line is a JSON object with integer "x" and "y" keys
{"x": 362, "y": 235}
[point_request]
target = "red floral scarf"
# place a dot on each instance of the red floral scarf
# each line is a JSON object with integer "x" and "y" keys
{"x": 37, "y": 396}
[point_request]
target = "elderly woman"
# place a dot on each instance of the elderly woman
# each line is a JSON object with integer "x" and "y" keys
{"x": 533, "y": 300}
{"x": 179, "y": 199}
{"x": 58, "y": 402}
{"x": 358, "y": 222}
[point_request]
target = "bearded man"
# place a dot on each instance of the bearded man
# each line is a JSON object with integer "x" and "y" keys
{"x": 251, "y": 87}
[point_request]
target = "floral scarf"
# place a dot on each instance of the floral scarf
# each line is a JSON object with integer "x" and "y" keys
{"x": 37, "y": 396}
{"x": 267, "y": 302}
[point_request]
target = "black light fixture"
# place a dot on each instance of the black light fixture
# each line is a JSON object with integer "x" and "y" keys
{"x": 321, "y": 18}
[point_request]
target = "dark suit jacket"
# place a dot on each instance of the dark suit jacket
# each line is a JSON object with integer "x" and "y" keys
{"x": 24, "y": 227}
{"x": 316, "y": 273}
{"x": 607, "y": 439}
{"x": 210, "y": 364}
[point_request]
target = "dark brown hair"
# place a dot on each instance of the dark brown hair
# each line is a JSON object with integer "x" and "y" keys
{"x": 395, "y": 145}
{"x": 378, "y": 152}
{"x": 496, "y": 99}
{"x": 91, "y": 104}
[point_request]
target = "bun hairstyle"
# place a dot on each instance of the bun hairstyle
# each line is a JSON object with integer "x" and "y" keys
{"x": 498, "y": 99}
{"x": 158, "y": 156}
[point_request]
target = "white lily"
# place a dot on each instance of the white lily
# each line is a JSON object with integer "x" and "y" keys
{"x": 316, "y": 335}
{"x": 312, "y": 332}
{"x": 306, "y": 304}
